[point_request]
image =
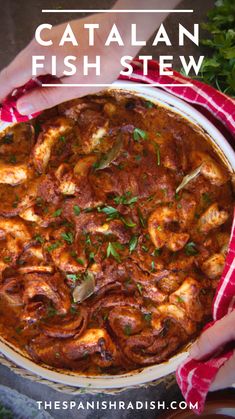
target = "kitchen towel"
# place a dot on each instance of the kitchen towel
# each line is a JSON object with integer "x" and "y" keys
{"x": 194, "y": 377}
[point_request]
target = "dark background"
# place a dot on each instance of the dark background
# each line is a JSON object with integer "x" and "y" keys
{"x": 18, "y": 21}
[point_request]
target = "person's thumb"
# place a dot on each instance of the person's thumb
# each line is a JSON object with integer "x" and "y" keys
{"x": 47, "y": 97}
{"x": 213, "y": 338}
{"x": 225, "y": 376}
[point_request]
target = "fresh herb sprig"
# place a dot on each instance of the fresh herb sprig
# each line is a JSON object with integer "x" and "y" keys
{"x": 218, "y": 70}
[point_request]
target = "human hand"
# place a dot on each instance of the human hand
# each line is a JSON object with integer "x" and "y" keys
{"x": 20, "y": 70}
{"x": 212, "y": 340}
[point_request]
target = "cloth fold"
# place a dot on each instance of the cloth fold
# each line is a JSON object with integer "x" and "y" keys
{"x": 194, "y": 377}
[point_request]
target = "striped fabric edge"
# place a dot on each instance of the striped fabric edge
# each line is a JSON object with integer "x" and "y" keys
{"x": 220, "y": 105}
{"x": 194, "y": 379}
{"x": 226, "y": 287}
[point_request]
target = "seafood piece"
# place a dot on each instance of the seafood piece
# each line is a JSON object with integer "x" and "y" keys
{"x": 160, "y": 234}
{"x": 91, "y": 342}
{"x": 213, "y": 267}
{"x": 16, "y": 237}
{"x": 52, "y": 131}
{"x": 187, "y": 297}
{"x": 51, "y": 351}
{"x": 13, "y": 174}
{"x": 15, "y": 228}
{"x": 68, "y": 326}
{"x": 64, "y": 259}
{"x": 154, "y": 346}
{"x": 210, "y": 169}
{"x": 50, "y": 286}
{"x": 67, "y": 184}
{"x": 11, "y": 291}
{"x": 36, "y": 268}
{"x": 170, "y": 281}
{"x": 126, "y": 321}
{"x": 30, "y": 215}
{"x": 178, "y": 314}
{"x": 83, "y": 166}
{"x": 212, "y": 218}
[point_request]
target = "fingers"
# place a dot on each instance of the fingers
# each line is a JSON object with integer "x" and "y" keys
{"x": 225, "y": 376}
{"x": 16, "y": 74}
{"x": 213, "y": 338}
{"x": 47, "y": 97}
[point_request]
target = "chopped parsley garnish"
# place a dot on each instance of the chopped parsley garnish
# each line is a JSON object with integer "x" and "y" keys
{"x": 68, "y": 237}
{"x": 62, "y": 139}
{"x": 12, "y": 159}
{"x": 73, "y": 310}
{"x": 39, "y": 201}
{"x": 148, "y": 317}
{"x": 180, "y": 299}
{"x": 126, "y": 199}
{"x": 165, "y": 191}
{"x": 111, "y": 251}
{"x": 150, "y": 198}
{"x": 37, "y": 128}
{"x": 127, "y": 329}
{"x": 111, "y": 211}
{"x": 157, "y": 252}
{"x": 105, "y": 316}
{"x": 144, "y": 248}
{"x": 16, "y": 201}
{"x": 79, "y": 260}
{"x": 157, "y": 149}
{"x": 54, "y": 246}
{"x": 148, "y": 104}
{"x": 86, "y": 210}
{"x": 177, "y": 197}
{"x": 206, "y": 198}
{"x": 139, "y": 287}
{"x": 57, "y": 213}
{"x": 92, "y": 256}
{"x": 190, "y": 249}
{"x": 76, "y": 210}
{"x": 133, "y": 243}
{"x": 18, "y": 330}
{"x": 8, "y": 138}
{"x": 73, "y": 277}
{"x": 7, "y": 259}
{"x": 152, "y": 266}
{"x": 88, "y": 240}
{"x": 39, "y": 239}
{"x": 128, "y": 222}
{"x": 142, "y": 221}
{"x": 51, "y": 311}
{"x": 139, "y": 134}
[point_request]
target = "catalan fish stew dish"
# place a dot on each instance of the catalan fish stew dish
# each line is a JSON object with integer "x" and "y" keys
{"x": 115, "y": 218}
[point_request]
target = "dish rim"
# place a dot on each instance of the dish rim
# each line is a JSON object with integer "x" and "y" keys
{"x": 154, "y": 372}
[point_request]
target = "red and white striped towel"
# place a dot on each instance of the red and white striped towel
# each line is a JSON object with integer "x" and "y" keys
{"x": 194, "y": 377}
